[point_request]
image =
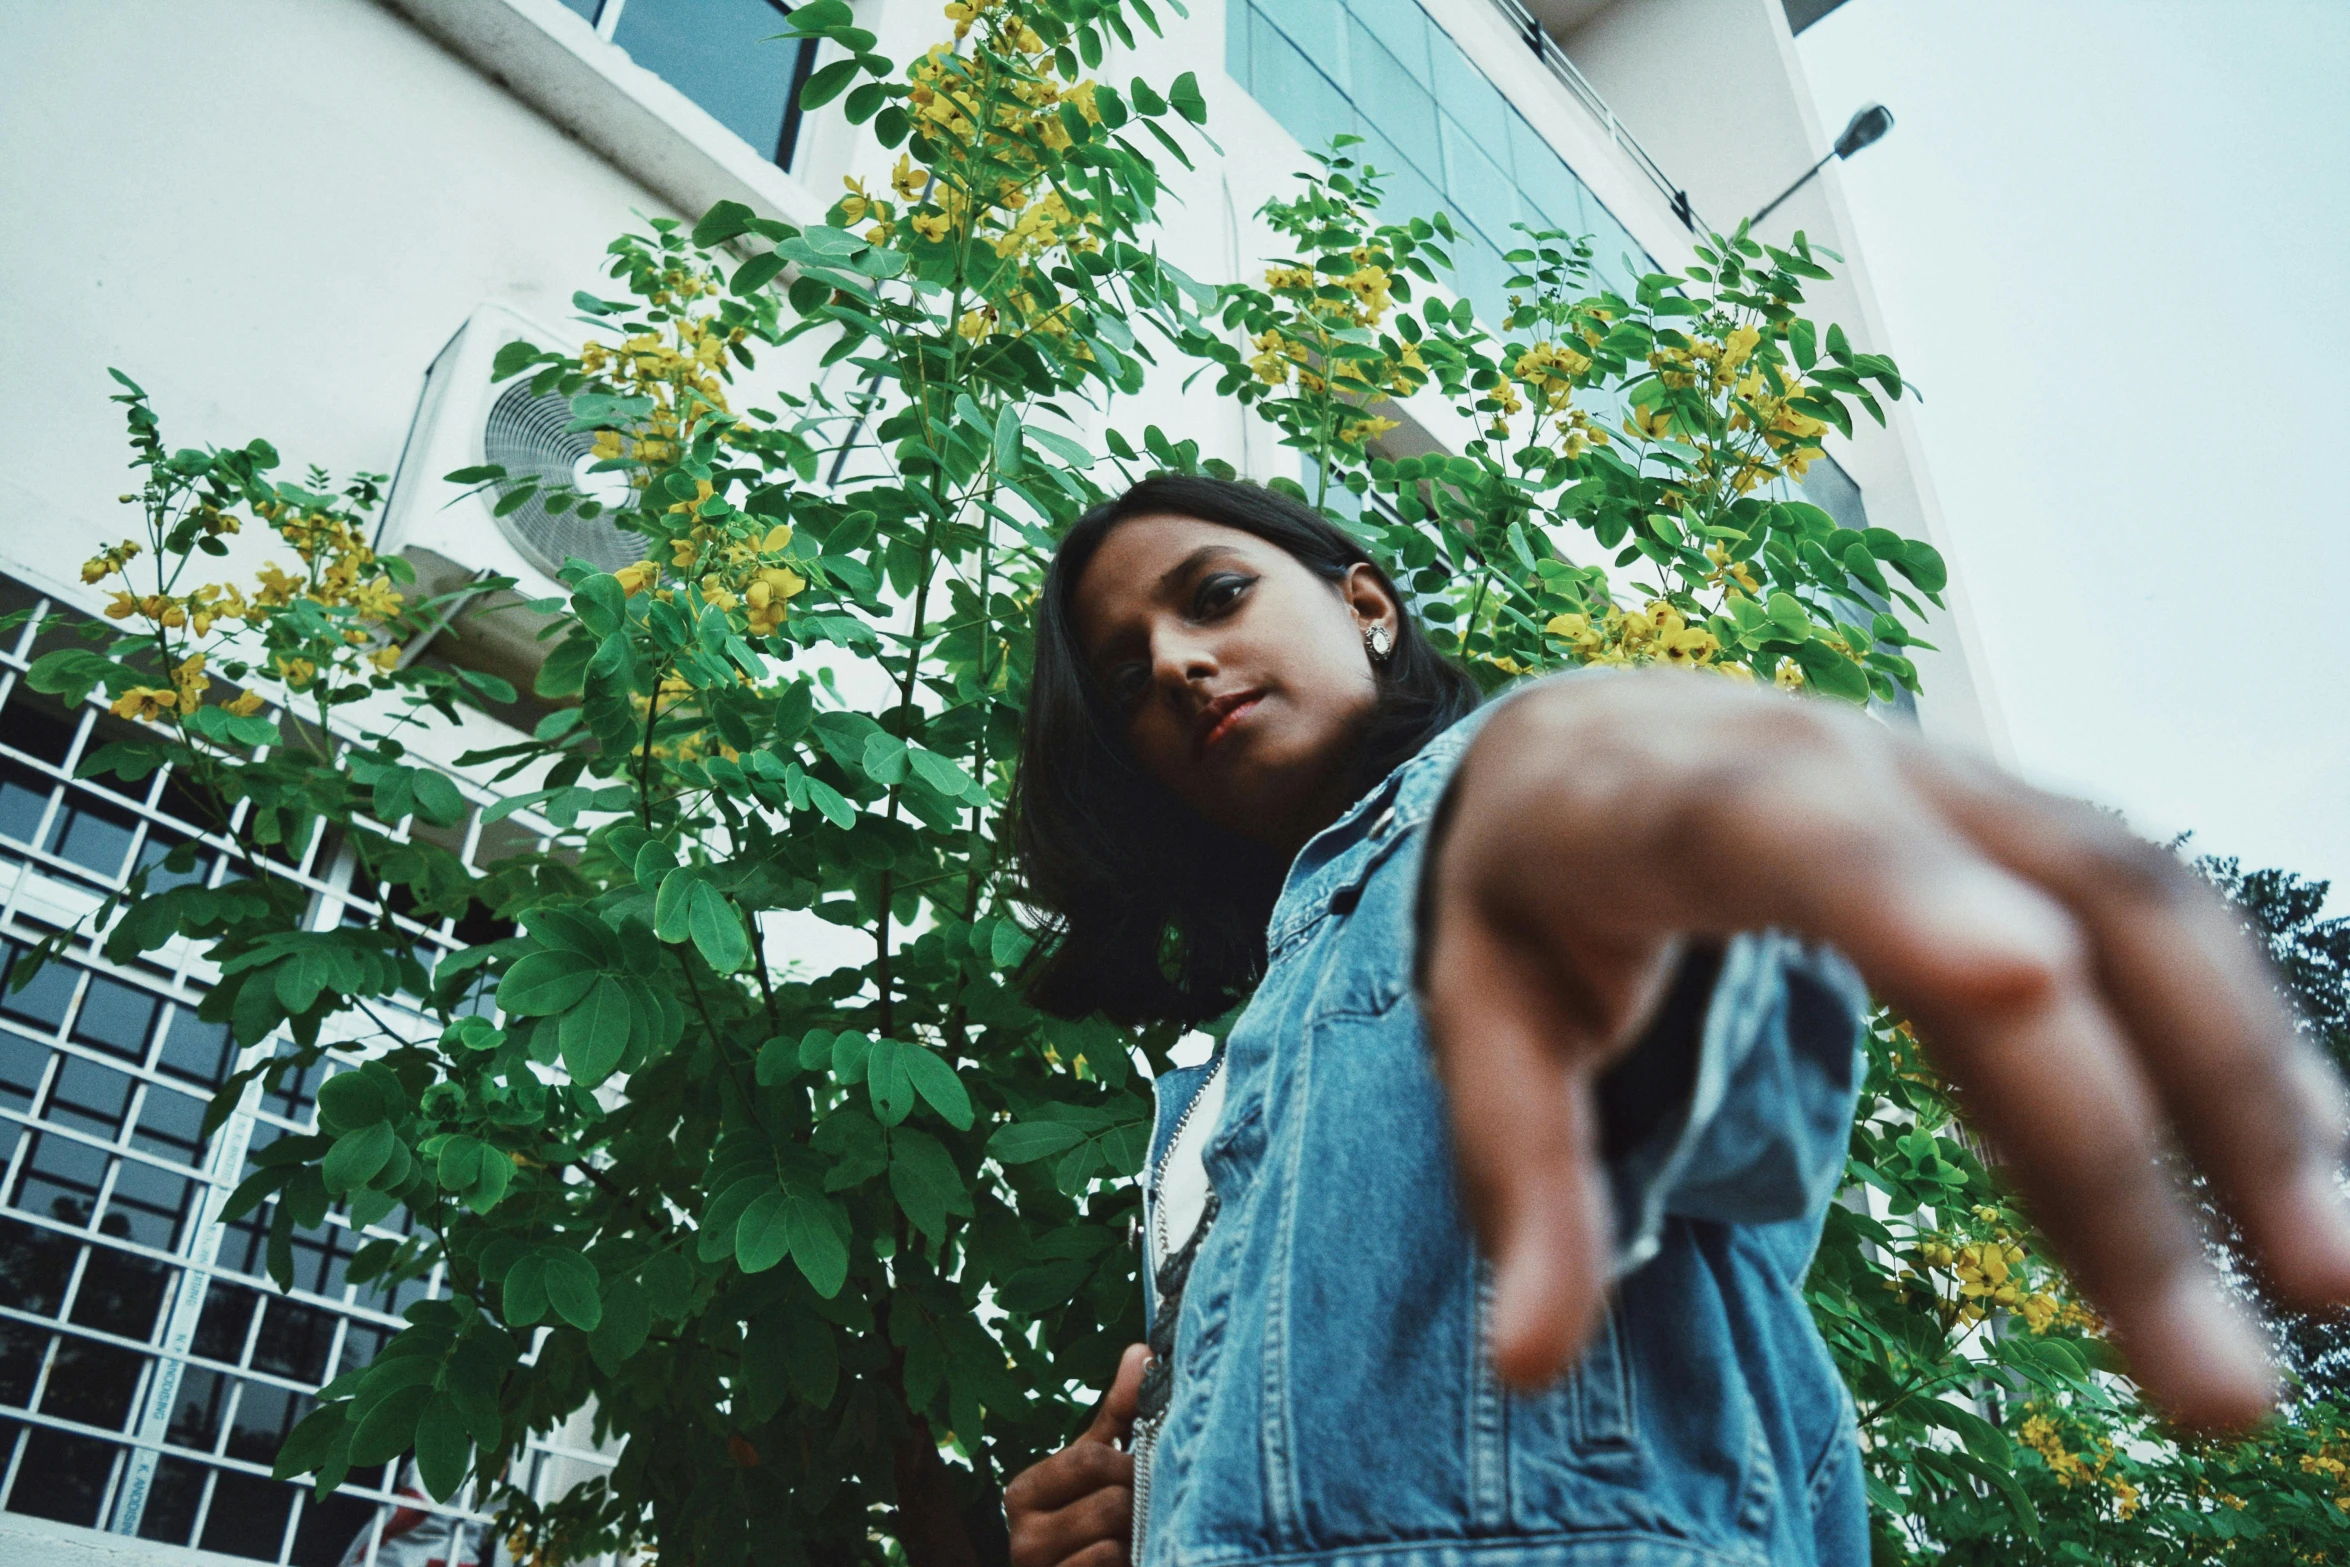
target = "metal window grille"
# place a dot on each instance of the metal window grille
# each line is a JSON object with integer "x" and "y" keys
{"x": 149, "y": 1369}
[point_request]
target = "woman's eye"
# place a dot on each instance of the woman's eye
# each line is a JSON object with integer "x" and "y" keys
{"x": 1218, "y": 593}
{"x": 1128, "y": 683}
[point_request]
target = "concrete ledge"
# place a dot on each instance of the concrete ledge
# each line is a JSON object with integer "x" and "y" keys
{"x": 550, "y": 58}
{"x": 35, "y": 1542}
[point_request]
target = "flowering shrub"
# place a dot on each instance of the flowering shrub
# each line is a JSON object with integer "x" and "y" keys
{"x": 832, "y": 1255}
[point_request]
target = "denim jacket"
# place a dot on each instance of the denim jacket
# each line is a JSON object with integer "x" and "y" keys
{"x": 1331, "y": 1398}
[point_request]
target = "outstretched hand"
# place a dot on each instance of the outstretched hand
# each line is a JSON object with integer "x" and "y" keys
{"x": 2090, "y": 999}
{"x": 1076, "y": 1508}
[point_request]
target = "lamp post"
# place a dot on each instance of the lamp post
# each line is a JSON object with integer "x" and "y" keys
{"x": 1865, "y": 128}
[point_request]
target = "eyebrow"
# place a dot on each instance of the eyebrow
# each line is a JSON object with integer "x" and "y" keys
{"x": 1191, "y": 563}
{"x": 1169, "y": 580}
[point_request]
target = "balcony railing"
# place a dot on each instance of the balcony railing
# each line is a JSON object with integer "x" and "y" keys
{"x": 1546, "y": 48}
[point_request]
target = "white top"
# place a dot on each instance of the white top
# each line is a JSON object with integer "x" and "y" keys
{"x": 1178, "y": 1193}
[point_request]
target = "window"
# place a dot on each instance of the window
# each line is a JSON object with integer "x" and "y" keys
{"x": 723, "y": 54}
{"x": 1443, "y": 135}
{"x": 148, "y": 1368}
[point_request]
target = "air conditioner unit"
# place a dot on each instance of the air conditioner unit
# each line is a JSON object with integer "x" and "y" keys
{"x": 447, "y": 531}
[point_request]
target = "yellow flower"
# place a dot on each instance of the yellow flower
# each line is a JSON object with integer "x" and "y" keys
{"x": 1789, "y": 676}
{"x": 1688, "y": 648}
{"x": 777, "y": 541}
{"x": 1740, "y": 344}
{"x": 636, "y": 576}
{"x": 246, "y": 705}
{"x": 386, "y": 658}
{"x": 145, "y": 702}
{"x": 908, "y": 178}
{"x": 932, "y": 226}
{"x": 1278, "y": 278}
{"x": 976, "y": 324}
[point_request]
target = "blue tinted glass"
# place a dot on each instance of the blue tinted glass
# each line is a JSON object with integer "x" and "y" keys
{"x": 1544, "y": 179}
{"x": 1316, "y": 26}
{"x": 1480, "y": 275}
{"x": 1400, "y": 25}
{"x": 1301, "y": 98}
{"x": 1482, "y": 189}
{"x": 586, "y": 8}
{"x": 1463, "y": 92}
{"x": 1617, "y": 261}
{"x": 1236, "y": 18}
{"x": 717, "y": 52}
{"x": 1405, "y": 193}
{"x": 1392, "y": 100}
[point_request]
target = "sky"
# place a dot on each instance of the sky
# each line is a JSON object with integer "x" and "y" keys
{"x": 2111, "y": 243}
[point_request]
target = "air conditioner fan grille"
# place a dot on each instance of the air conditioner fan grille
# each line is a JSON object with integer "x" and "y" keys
{"x": 525, "y": 434}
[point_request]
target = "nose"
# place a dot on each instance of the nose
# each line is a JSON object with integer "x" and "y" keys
{"x": 1180, "y": 662}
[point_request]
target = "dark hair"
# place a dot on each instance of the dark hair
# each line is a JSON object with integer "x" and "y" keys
{"x": 1151, "y": 913}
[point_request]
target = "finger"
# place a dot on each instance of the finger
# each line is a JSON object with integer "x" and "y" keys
{"x": 1102, "y": 1553}
{"x": 1075, "y": 1471}
{"x": 1113, "y": 1417}
{"x": 2079, "y": 1133}
{"x": 1515, "y": 1063}
{"x": 1106, "y": 1515}
{"x": 2257, "y": 1106}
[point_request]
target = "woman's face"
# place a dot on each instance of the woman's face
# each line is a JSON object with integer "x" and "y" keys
{"x": 1241, "y": 677}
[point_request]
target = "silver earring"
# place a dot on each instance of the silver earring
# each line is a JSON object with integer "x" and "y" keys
{"x": 1379, "y": 644}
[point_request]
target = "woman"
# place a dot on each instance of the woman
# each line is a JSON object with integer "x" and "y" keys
{"x": 1484, "y": 1231}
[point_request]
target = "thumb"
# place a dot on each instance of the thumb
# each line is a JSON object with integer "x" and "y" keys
{"x": 1113, "y": 1418}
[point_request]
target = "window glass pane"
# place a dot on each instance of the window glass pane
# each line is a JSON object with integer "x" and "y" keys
{"x": 1309, "y": 106}
{"x": 42, "y": 1002}
{"x": 24, "y": 796}
{"x": 1483, "y": 191}
{"x": 93, "y": 834}
{"x": 1400, "y": 25}
{"x": 1468, "y": 97}
{"x": 62, "y": 1476}
{"x": 1313, "y": 25}
{"x": 38, "y": 725}
{"x": 116, "y": 1017}
{"x": 1404, "y": 191}
{"x": 196, "y": 1050}
{"x": 723, "y": 54}
{"x": 1544, "y": 180}
{"x": 1394, "y": 102}
{"x": 586, "y": 8}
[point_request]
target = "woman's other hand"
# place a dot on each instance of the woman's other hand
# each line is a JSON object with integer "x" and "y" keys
{"x": 1076, "y": 1508}
{"x": 2089, "y": 998}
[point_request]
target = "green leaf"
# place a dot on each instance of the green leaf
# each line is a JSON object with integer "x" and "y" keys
{"x": 573, "y": 1289}
{"x": 543, "y": 983}
{"x": 816, "y": 1246}
{"x": 628, "y": 1320}
{"x": 673, "y": 903}
{"x": 357, "y": 1156}
{"x": 756, "y": 273}
{"x": 887, "y": 1082}
{"x": 1007, "y": 439}
{"x": 525, "y": 1291}
{"x": 595, "y": 1032}
{"x": 305, "y": 1447}
{"x": 717, "y": 929}
{"x": 350, "y": 1100}
{"x": 762, "y": 1236}
{"x": 389, "y": 1429}
{"x": 1184, "y": 95}
{"x": 935, "y": 1081}
{"x": 925, "y": 1182}
{"x": 828, "y": 84}
{"x": 1024, "y": 1142}
{"x": 443, "y": 1449}
{"x": 885, "y": 758}
{"x": 722, "y": 223}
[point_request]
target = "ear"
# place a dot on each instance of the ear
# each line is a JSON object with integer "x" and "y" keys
{"x": 1370, "y": 600}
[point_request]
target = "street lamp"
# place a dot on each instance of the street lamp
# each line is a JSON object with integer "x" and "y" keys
{"x": 1864, "y": 129}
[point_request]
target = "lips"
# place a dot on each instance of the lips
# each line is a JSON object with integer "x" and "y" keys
{"x": 1219, "y": 718}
